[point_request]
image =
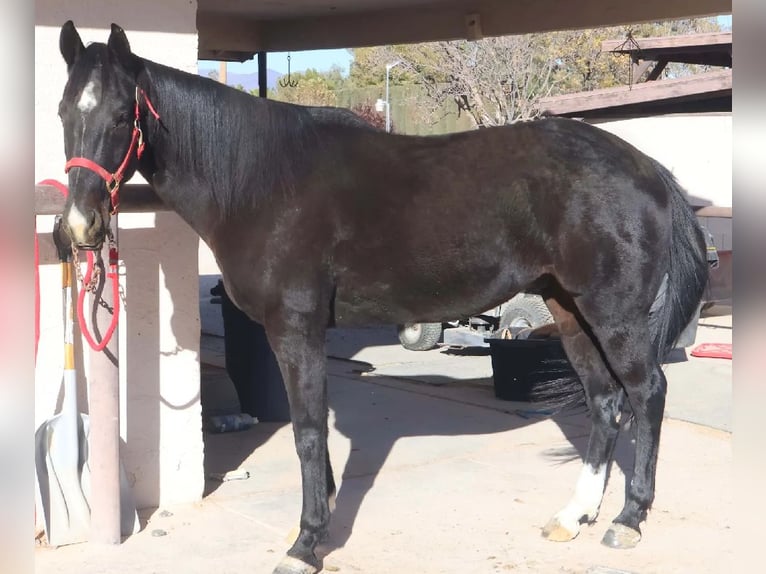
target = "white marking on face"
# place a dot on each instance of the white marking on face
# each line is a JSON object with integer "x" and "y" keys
{"x": 77, "y": 222}
{"x": 88, "y": 99}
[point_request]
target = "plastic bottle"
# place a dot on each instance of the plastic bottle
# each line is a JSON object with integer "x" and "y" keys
{"x": 230, "y": 423}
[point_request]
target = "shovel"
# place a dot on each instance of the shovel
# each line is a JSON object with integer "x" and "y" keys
{"x": 61, "y": 445}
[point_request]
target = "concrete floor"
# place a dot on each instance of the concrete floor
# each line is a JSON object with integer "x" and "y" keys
{"x": 437, "y": 476}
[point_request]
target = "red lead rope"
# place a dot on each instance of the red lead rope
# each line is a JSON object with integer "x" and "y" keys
{"x": 111, "y": 274}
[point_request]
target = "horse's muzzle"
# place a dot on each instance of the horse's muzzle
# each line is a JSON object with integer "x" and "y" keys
{"x": 87, "y": 230}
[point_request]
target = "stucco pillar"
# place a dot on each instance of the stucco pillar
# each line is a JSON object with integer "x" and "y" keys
{"x": 159, "y": 327}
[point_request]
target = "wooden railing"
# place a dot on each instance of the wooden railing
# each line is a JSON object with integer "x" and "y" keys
{"x": 134, "y": 198}
{"x": 713, "y": 211}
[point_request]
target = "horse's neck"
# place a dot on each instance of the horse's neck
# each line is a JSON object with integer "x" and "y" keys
{"x": 182, "y": 196}
{"x": 183, "y": 188}
{"x": 220, "y": 152}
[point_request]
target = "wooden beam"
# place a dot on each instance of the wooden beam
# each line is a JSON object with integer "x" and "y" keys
{"x": 134, "y": 198}
{"x": 713, "y": 211}
{"x": 665, "y": 42}
{"x": 227, "y": 33}
{"x": 708, "y": 83}
{"x": 639, "y": 69}
{"x": 657, "y": 70}
{"x": 380, "y": 23}
{"x": 712, "y": 49}
{"x": 238, "y": 27}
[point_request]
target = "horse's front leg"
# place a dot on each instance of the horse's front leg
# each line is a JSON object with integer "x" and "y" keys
{"x": 297, "y": 336}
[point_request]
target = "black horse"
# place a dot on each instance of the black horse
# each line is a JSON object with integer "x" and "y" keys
{"x": 317, "y": 221}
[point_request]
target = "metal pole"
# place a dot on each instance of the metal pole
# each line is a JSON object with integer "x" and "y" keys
{"x": 263, "y": 85}
{"x": 388, "y": 105}
{"x": 104, "y": 439}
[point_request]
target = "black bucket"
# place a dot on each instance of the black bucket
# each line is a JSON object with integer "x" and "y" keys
{"x": 518, "y": 364}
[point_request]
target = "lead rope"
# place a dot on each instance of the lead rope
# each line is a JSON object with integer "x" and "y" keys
{"x": 90, "y": 281}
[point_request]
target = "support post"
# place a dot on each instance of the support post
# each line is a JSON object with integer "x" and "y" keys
{"x": 263, "y": 85}
{"x": 104, "y": 439}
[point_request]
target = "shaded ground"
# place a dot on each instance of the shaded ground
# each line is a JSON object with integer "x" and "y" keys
{"x": 440, "y": 477}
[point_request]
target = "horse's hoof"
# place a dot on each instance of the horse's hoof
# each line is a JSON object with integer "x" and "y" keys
{"x": 290, "y": 565}
{"x": 621, "y": 536}
{"x": 556, "y": 531}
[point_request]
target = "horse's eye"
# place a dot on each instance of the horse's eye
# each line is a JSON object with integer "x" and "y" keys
{"x": 122, "y": 121}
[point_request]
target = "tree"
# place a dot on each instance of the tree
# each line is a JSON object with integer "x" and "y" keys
{"x": 584, "y": 67}
{"x": 500, "y": 80}
{"x": 494, "y": 80}
{"x": 312, "y": 88}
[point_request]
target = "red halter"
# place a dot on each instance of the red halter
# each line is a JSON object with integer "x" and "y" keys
{"x": 113, "y": 180}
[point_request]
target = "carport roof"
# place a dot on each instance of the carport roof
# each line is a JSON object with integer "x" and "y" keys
{"x": 707, "y": 92}
{"x": 236, "y": 29}
{"x": 704, "y": 92}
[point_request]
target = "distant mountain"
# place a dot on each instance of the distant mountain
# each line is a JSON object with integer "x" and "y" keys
{"x": 248, "y": 81}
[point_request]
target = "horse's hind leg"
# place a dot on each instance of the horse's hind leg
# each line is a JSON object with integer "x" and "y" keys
{"x": 646, "y": 386}
{"x": 605, "y": 398}
{"x": 620, "y": 327}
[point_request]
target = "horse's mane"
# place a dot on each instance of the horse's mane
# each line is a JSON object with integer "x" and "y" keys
{"x": 239, "y": 147}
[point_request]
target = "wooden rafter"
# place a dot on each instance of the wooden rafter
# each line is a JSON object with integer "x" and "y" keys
{"x": 709, "y": 85}
{"x": 712, "y": 49}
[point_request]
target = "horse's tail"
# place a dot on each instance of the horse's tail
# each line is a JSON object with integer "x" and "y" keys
{"x": 686, "y": 276}
{"x": 556, "y": 385}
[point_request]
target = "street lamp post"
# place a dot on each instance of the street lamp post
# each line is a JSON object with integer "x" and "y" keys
{"x": 388, "y": 101}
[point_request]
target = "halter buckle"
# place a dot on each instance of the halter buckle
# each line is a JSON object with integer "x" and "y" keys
{"x": 140, "y": 147}
{"x": 113, "y": 188}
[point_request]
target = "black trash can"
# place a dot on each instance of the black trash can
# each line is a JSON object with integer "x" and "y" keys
{"x": 251, "y": 364}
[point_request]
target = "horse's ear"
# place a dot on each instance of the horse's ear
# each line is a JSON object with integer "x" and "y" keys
{"x": 70, "y": 44}
{"x": 119, "y": 45}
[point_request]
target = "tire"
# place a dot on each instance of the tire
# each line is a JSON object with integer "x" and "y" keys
{"x": 419, "y": 336}
{"x": 524, "y": 312}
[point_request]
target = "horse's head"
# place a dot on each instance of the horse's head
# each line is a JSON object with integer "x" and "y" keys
{"x": 99, "y": 113}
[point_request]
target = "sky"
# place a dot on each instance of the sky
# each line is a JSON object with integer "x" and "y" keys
{"x": 321, "y": 60}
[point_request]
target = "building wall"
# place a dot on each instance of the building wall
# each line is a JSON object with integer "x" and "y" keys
{"x": 159, "y": 334}
{"x": 696, "y": 148}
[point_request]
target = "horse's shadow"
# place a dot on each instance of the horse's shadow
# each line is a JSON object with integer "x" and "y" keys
{"x": 441, "y": 407}
{"x": 375, "y": 420}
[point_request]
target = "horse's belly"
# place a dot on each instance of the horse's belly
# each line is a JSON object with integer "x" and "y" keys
{"x": 417, "y": 299}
